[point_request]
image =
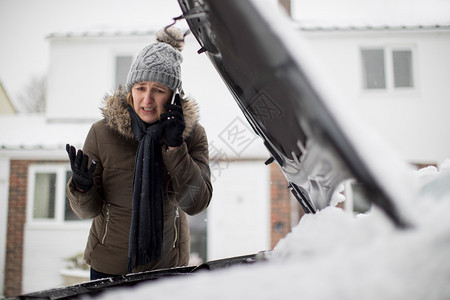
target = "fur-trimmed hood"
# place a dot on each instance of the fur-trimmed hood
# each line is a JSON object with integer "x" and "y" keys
{"x": 118, "y": 119}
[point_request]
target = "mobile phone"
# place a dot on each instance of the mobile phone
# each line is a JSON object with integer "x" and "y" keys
{"x": 173, "y": 97}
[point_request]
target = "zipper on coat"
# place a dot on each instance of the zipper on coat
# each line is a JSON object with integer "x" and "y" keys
{"x": 107, "y": 222}
{"x": 175, "y": 226}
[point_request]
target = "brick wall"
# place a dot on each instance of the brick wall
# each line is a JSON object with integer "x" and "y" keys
{"x": 17, "y": 211}
{"x": 16, "y": 220}
{"x": 280, "y": 210}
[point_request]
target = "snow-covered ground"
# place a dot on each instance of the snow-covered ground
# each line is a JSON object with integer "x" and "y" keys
{"x": 334, "y": 255}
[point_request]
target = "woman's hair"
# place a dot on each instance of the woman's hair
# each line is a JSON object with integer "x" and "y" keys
{"x": 130, "y": 99}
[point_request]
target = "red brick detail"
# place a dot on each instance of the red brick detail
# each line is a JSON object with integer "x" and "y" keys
{"x": 280, "y": 207}
{"x": 17, "y": 209}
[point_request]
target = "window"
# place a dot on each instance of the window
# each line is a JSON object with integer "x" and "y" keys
{"x": 44, "y": 196}
{"x": 123, "y": 64}
{"x": 387, "y": 68}
{"x": 402, "y": 64}
{"x": 373, "y": 65}
{"x": 47, "y": 196}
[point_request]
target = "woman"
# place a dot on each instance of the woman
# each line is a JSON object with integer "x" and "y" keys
{"x": 149, "y": 168}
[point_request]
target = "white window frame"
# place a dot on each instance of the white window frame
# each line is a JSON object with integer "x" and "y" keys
{"x": 389, "y": 68}
{"x": 60, "y": 193}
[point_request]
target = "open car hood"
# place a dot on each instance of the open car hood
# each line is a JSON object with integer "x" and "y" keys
{"x": 262, "y": 60}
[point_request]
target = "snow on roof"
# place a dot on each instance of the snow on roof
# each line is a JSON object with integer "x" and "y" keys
{"x": 115, "y": 31}
{"x": 35, "y": 132}
{"x": 101, "y": 33}
{"x": 302, "y": 24}
{"x": 6, "y": 106}
{"x": 328, "y": 25}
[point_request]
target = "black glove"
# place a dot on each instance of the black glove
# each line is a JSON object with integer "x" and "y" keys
{"x": 82, "y": 177}
{"x": 172, "y": 123}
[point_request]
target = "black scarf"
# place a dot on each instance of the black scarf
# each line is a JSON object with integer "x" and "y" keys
{"x": 147, "y": 221}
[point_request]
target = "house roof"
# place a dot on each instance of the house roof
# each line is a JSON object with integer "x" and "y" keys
{"x": 329, "y": 25}
{"x": 101, "y": 33}
{"x": 33, "y": 132}
{"x": 6, "y": 106}
{"x": 304, "y": 24}
{"x": 358, "y": 24}
{"x": 111, "y": 31}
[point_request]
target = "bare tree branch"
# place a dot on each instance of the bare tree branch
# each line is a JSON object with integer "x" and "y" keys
{"x": 33, "y": 98}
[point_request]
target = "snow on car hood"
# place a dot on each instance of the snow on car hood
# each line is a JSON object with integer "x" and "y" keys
{"x": 334, "y": 255}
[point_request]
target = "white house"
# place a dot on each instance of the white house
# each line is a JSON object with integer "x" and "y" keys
{"x": 405, "y": 101}
{"x": 395, "y": 77}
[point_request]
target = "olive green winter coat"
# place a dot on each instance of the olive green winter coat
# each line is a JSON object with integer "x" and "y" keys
{"x": 187, "y": 188}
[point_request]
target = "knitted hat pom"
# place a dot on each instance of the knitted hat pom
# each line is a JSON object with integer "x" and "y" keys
{"x": 172, "y": 36}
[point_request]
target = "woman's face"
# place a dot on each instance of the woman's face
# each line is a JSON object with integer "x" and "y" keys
{"x": 149, "y": 98}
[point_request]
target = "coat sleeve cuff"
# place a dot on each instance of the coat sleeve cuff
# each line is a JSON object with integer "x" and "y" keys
{"x": 173, "y": 156}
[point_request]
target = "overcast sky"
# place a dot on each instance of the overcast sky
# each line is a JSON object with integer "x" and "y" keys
{"x": 24, "y": 24}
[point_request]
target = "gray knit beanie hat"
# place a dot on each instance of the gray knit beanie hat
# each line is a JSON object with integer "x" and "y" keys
{"x": 160, "y": 61}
